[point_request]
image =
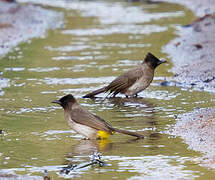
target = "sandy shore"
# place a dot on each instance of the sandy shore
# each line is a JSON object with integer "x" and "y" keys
{"x": 21, "y": 22}
{"x": 197, "y": 128}
{"x": 192, "y": 53}
{"x": 199, "y": 7}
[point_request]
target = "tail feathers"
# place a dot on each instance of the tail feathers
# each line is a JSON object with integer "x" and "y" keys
{"x": 139, "y": 136}
{"x": 92, "y": 94}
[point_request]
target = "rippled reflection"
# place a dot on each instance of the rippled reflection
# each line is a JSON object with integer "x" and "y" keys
{"x": 87, "y": 147}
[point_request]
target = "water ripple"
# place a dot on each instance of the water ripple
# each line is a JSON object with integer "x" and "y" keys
{"x": 81, "y": 58}
{"x": 68, "y": 48}
{"x": 111, "y": 13}
{"x": 16, "y": 69}
{"x": 119, "y": 29}
{"x": 3, "y": 84}
{"x": 159, "y": 94}
{"x": 33, "y": 109}
{"x": 94, "y": 80}
{"x": 48, "y": 69}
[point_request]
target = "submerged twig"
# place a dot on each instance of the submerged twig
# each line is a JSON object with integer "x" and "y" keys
{"x": 95, "y": 158}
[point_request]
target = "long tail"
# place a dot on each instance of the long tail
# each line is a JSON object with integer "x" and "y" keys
{"x": 139, "y": 136}
{"x": 92, "y": 94}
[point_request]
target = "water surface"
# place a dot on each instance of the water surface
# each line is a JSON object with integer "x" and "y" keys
{"x": 100, "y": 40}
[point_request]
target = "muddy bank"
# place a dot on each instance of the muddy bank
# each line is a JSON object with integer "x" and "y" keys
{"x": 192, "y": 53}
{"x": 21, "y": 22}
{"x": 197, "y": 128}
{"x": 199, "y": 7}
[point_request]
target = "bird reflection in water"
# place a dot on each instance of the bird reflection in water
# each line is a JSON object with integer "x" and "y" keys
{"x": 87, "y": 147}
{"x": 138, "y": 107}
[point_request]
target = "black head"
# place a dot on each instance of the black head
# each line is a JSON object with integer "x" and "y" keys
{"x": 65, "y": 100}
{"x": 153, "y": 61}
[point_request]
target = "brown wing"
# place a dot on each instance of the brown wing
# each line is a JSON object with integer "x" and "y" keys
{"x": 124, "y": 81}
{"x": 84, "y": 117}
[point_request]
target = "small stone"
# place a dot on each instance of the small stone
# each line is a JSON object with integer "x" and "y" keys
{"x": 198, "y": 46}
{"x": 177, "y": 44}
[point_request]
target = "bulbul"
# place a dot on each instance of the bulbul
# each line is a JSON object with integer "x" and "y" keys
{"x": 133, "y": 81}
{"x": 85, "y": 123}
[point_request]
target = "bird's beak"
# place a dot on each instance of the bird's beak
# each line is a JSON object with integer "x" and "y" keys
{"x": 162, "y": 61}
{"x": 57, "y": 102}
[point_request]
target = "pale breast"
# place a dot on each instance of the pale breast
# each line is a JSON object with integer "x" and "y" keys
{"x": 141, "y": 83}
{"x": 85, "y": 131}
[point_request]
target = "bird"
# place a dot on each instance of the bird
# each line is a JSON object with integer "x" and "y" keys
{"x": 87, "y": 124}
{"x": 133, "y": 81}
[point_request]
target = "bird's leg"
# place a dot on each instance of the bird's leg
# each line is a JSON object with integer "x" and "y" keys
{"x": 107, "y": 96}
{"x": 113, "y": 95}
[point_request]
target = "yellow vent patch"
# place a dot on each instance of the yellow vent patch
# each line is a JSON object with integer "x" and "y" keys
{"x": 103, "y": 134}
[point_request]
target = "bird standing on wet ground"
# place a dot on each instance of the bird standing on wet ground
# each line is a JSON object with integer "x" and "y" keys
{"x": 133, "y": 81}
{"x": 87, "y": 124}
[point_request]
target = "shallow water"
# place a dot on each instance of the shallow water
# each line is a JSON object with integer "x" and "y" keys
{"x": 99, "y": 41}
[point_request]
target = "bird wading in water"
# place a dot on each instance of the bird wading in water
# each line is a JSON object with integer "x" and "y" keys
{"x": 133, "y": 81}
{"x": 87, "y": 124}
